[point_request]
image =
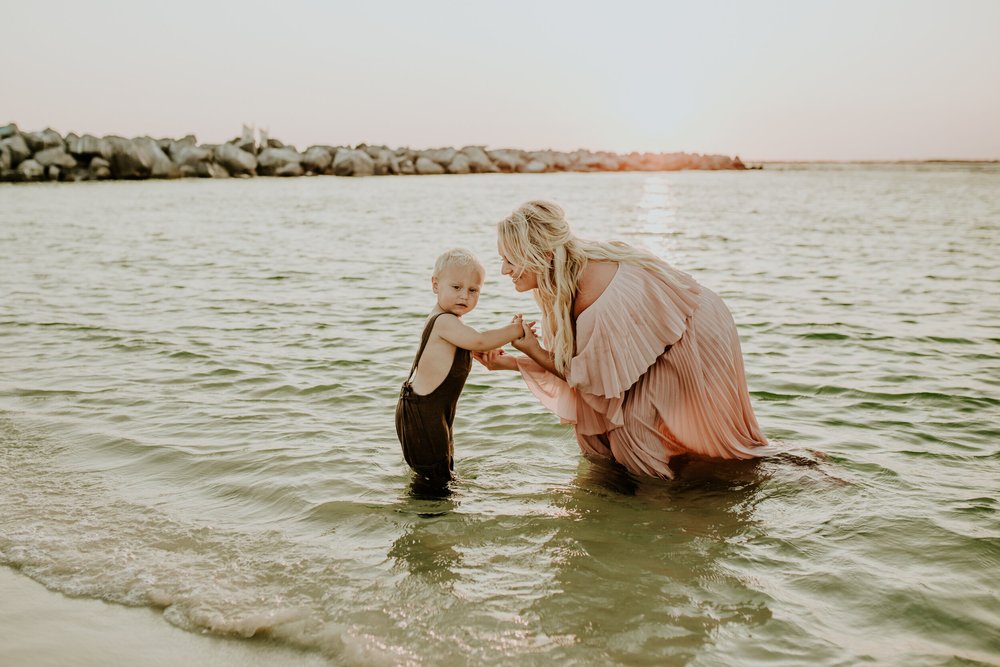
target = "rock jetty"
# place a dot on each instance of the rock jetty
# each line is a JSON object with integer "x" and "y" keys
{"x": 47, "y": 156}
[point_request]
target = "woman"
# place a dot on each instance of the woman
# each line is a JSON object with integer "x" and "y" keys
{"x": 641, "y": 359}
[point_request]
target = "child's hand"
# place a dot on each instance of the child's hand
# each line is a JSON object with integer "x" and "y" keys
{"x": 515, "y": 326}
{"x": 528, "y": 339}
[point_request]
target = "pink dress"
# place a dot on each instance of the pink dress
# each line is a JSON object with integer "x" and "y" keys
{"x": 657, "y": 372}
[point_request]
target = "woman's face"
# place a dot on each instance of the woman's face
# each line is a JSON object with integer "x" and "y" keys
{"x": 523, "y": 280}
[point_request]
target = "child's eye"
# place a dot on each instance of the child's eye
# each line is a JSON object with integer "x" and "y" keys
{"x": 473, "y": 290}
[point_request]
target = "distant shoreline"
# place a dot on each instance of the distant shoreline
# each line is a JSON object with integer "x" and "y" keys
{"x": 931, "y": 161}
{"x": 46, "y": 155}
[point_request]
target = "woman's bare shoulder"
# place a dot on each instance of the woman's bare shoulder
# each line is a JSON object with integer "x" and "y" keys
{"x": 596, "y": 277}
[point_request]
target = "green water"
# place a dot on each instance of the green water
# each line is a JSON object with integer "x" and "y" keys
{"x": 197, "y": 383}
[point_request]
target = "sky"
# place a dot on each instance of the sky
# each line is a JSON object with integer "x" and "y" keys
{"x": 765, "y": 80}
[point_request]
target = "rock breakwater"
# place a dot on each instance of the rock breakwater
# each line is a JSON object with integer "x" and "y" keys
{"x": 48, "y": 156}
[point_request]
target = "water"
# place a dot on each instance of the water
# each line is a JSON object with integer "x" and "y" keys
{"x": 199, "y": 377}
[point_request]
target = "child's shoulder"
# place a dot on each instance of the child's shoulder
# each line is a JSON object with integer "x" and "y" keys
{"x": 442, "y": 322}
{"x": 445, "y": 319}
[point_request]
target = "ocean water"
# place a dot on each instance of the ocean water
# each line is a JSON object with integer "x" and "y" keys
{"x": 198, "y": 378}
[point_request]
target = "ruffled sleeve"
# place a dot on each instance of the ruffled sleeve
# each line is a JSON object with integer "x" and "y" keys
{"x": 550, "y": 389}
{"x": 628, "y": 327}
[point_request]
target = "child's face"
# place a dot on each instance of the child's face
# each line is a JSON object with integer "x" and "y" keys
{"x": 457, "y": 289}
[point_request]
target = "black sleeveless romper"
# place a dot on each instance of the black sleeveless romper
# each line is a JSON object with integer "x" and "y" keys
{"x": 423, "y": 422}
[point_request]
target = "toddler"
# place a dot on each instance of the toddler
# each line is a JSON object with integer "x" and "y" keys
{"x": 426, "y": 408}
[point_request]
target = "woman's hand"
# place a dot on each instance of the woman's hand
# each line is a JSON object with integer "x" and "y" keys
{"x": 496, "y": 360}
{"x": 528, "y": 340}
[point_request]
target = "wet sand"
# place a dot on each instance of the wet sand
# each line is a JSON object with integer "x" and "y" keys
{"x": 40, "y": 628}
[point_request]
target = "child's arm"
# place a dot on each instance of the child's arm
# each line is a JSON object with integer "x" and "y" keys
{"x": 460, "y": 335}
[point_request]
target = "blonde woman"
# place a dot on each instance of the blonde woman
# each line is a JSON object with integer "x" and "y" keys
{"x": 640, "y": 358}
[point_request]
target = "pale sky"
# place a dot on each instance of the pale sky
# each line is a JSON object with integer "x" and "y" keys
{"x": 766, "y": 80}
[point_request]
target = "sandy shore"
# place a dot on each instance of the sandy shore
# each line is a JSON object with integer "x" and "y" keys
{"x": 40, "y": 628}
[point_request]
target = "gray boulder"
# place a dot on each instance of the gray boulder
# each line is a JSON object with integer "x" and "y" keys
{"x": 545, "y": 157}
{"x": 720, "y": 162}
{"x": 5, "y": 158}
{"x": 76, "y": 174}
{"x": 316, "y": 159}
{"x": 459, "y": 164}
{"x": 577, "y": 160}
{"x": 479, "y": 161}
{"x": 271, "y": 160}
{"x": 30, "y": 170}
{"x": 186, "y": 154}
{"x": 39, "y": 141}
{"x": 128, "y": 160}
{"x": 386, "y": 162}
{"x": 353, "y": 162}
{"x": 56, "y": 156}
{"x": 291, "y": 169}
{"x": 160, "y": 165}
{"x": 236, "y": 160}
{"x": 561, "y": 161}
{"x": 590, "y": 161}
{"x": 88, "y": 146}
{"x": 554, "y": 160}
{"x": 18, "y": 148}
{"x": 406, "y": 166}
{"x": 8, "y": 130}
{"x": 443, "y": 156}
{"x": 533, "y": 167}
{"x": 425, "y": 166}
{"x": 506, "y": 160}
{"x": 209, "y": 169}
{"x": 100, "y": 169}
{"x": 373, "y": 151}
{"x": 52, "y": 172}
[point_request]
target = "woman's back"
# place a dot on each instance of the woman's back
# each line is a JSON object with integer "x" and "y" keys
{"x": 595, "y": 278}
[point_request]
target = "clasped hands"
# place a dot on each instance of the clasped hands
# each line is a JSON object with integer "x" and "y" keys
{"x": 496, "y": 360}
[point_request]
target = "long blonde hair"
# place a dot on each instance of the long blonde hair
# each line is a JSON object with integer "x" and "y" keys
{"x": 537, "y": 238}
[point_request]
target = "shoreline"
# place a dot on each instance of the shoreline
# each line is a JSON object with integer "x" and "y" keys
{"x": 46, "y": 628}
{"x": 930, "y": 161}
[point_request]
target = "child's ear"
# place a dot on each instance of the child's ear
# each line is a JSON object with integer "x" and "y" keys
{"x": 434, "y": 284}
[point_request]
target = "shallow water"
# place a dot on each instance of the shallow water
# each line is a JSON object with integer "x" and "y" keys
{"x": 197, "y": 382}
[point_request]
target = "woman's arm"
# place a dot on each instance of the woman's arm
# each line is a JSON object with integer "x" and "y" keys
{"x": 529, "y": 345}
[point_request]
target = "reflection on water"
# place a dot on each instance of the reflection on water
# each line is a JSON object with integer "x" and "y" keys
{"x": 645, "y": 555}
{"x": 626, "y": 569}
{"x": 423, "y": 488}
